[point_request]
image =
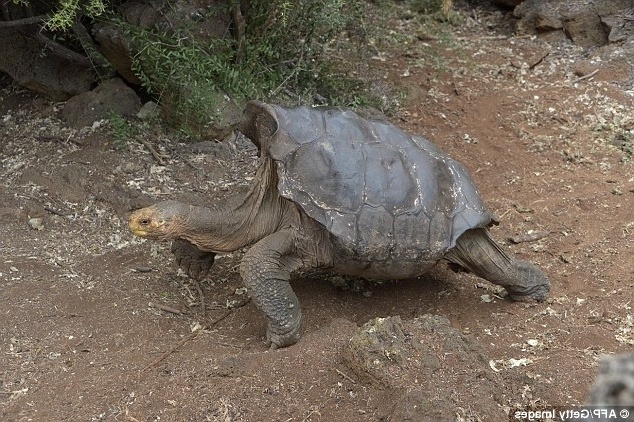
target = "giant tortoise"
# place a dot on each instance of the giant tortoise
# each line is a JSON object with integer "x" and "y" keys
{"x": 336, "y": 191}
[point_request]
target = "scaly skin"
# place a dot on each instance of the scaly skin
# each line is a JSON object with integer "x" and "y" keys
{"x": 477, "y": 252}
{"x": 266, "y": 270}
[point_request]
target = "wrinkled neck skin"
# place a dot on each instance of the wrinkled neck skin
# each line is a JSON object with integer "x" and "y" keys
{"x": 239, "y": 220}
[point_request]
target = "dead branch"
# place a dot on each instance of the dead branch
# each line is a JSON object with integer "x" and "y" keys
{"x": 25, "y": 27}
{"x": 55, "y": 211}
{"x": 153, "y": 151}
{"x": 345, "y": 376}
{"x": 239, "y": 29}
{"x": 100, "y": 64}
{"x": 541, "y": 59}
{"x": 589, "y": 75}
{"x": 55, "y": 48}
{"x": 130, "y": 417}
{"x": 165, "y": 308}
{"x": 493, "y": 37}
{"x": 22, "y": 22}
{"x": 483, "y": 37}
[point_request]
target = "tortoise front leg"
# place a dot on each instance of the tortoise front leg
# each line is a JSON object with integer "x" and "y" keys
{"x": 193, "y": 261}
{"x": 266, "y": 270}
{"x": 476, "y": 251}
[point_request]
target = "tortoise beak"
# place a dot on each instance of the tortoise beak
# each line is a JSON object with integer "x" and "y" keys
{"x": 136, "y": 228}
{"x": 139, "y": 232}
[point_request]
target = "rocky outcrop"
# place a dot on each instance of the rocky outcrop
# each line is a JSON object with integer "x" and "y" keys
{"x": 420, "y": 356}
{"x": 40, "y": 65}
{"x": 589, "y": 24}
{"x": 112, "y": 96}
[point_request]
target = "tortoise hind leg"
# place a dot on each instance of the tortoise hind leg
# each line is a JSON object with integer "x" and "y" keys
{"x": 476, "y": 251}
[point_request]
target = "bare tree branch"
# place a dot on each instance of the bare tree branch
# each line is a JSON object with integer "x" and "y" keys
{"x": 22, "y": 22}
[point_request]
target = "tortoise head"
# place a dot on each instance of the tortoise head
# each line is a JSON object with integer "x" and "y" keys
{"x": 162, "y": 221}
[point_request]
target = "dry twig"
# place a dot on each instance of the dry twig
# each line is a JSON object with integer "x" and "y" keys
{"x": 165, "y": 308}
{"x": 485, "y": 37}
{"x": 185, "y": 340}
{"x": 201, "y": 297}
{"x": 22, "y": 22}
{"x": 529, "y": 237}
{"x": 54, "y": 211}
{"x": 541, "y": 59}
{"x": 345, "y": 376}
{"x": 158, "y": 157}
{"x": 589, "y": 75}
{"x": 130, "y": 417}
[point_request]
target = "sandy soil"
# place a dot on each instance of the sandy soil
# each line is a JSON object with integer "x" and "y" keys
{"x": 98, "y": 325}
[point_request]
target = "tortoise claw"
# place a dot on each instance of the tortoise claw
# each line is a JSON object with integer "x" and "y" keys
{"x": 277, "y": 339}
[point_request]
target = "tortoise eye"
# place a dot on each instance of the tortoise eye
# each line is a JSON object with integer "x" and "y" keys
{"x": 145, "y": 222}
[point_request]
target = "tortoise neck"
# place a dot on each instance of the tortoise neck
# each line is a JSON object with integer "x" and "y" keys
{"x": 241, "y": 220}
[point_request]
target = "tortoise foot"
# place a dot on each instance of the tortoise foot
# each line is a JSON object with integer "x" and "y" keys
{"x": 283, "y": 336}
{"x": 531, "y": 284}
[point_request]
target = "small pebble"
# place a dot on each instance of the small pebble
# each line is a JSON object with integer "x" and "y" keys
{"x": 36, "y": 223}
{"x": 532, "y": 342}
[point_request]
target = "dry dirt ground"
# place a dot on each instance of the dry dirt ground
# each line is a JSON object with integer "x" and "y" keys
{"x": 86, "y": 331}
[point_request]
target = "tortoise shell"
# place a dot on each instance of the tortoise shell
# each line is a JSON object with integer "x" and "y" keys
{"x": 383, "y": 194}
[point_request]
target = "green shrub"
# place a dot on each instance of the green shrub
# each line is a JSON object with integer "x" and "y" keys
{"x": 122, "y": 130}
{"x": 280, "y": 56}
{"x": 69, "y": 10}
